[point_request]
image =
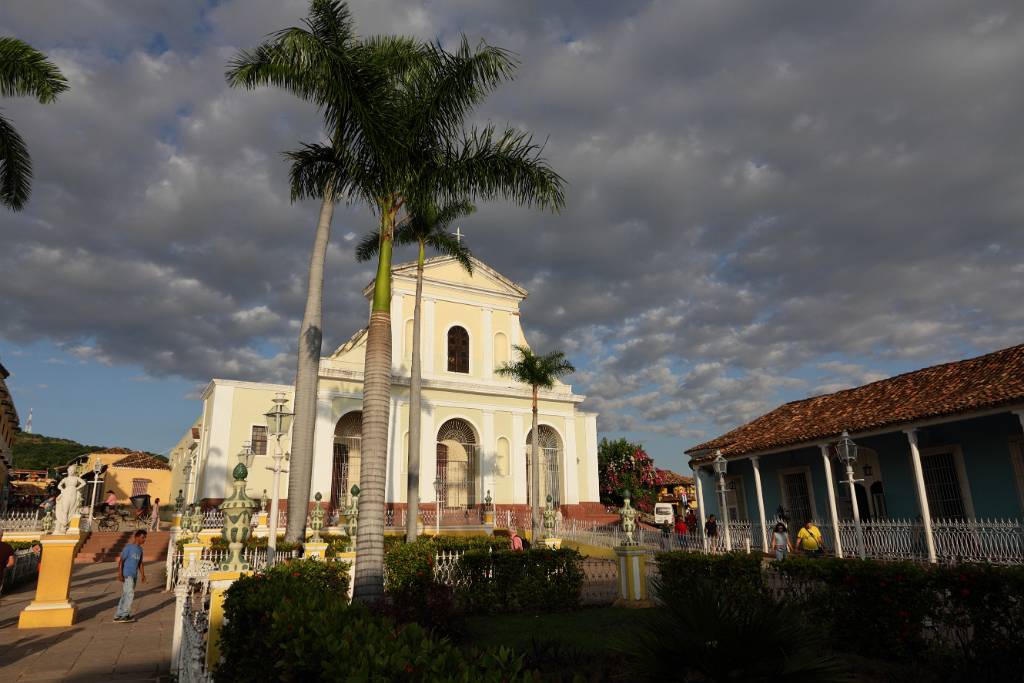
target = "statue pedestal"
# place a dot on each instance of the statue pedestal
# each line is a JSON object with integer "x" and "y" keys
{"x": 632, "y": 577}
{"x": 191, "y": 552}
{"x": 314, "y": 550}
{"x": 553, "y": 543}
{"x": 176, "y": 522}
{"x": 219, "y": 583}
{"x": 52, "y": 606}
{"x": 489, "y": 517}
{"x": 262, "y": 529}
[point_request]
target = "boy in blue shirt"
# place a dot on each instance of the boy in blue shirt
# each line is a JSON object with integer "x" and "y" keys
{"x": 129, "y": 568}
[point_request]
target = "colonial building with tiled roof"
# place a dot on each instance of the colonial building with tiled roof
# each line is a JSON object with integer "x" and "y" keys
{"x": 941, "y": 443}
{"x": 9, "y": 426}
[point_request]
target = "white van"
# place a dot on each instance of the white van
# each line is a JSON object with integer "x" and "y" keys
{"x": 663, "y": 513}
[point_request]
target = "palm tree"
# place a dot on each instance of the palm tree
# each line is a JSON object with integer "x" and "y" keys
{"x": 433, "y": 158}
{"x": 425, "y": 228}
{"x": 540, "y": 372}
{"x": 23, "y": 71}
{"x": 321, "y": 62}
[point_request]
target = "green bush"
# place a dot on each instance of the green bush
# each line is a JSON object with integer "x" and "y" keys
{"x": 706, "y": 633}
{"x": 22, "y": 545}
{"x": 537, "y": 580}
{"x": 733, "y": 572}
{"x": 294, "y": 624}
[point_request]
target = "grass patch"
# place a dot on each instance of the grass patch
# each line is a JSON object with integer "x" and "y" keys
{"x": 589, "y": 630}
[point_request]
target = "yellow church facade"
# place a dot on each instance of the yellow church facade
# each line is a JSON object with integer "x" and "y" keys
{"x": 475, "y": 426}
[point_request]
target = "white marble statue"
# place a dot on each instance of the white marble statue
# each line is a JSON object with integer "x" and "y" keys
{"x": 68, "y": 501}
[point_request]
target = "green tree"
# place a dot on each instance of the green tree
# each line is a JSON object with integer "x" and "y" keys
{"x": 24, "y": 71}
{"x": 349, "y": 82}
{"x": 429, "y": 156}
{"x": 540, "y": 372}
{"x": 427, "y": 227}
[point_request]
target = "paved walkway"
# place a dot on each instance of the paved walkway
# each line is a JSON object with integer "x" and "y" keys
{"x": 95, "y": 648}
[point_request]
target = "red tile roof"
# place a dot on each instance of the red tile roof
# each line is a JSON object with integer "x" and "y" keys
{"x": 985, "y": 382}
{"x": 670, "y": 478}
{"x": 141, "y": 461}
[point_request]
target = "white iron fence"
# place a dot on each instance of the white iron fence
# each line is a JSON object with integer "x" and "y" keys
{"x": 995, "y": 541}
{"x": 256, "y": 557}
{"x": 24, "y": 520}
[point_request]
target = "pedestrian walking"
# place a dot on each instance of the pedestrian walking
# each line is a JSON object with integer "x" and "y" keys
{"x": 681, "y": 530}
{"x": 155, "y": 516}
{"x": 711, "y": 532}
{"x": 781, "y": 544}
{"x": 691, "y": 522}
{"x": 516, "y": 541}
{"x": 130, "y": 571}
{"x": 809, "y": 540}
{"x": 6, "y": 559}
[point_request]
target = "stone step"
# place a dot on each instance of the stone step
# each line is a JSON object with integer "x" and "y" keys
{"x": 106, "y": 546}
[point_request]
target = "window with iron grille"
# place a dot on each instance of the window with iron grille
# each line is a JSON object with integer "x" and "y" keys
{"x": 458, "y": 350}
{"x": 339, "y": 477}
{"x": 735, "y": 499}
{"x": 139, "y": 487}
{"x": 798, "y": 496}
{"x": 259, "y": 439}
{"x": 942, "y": 485}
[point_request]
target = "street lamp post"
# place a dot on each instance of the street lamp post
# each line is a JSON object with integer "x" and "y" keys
{"x": 97, "y": 470}
{"x": 437, "y": 507}
{"x": 846, "y": 449}
{"x": 188, "y": 470}
{"x": 279, "y": 421}
{"x": 721, "y": 465}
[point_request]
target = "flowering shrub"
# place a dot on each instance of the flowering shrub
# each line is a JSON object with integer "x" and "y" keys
{"x": 625, "y": 466}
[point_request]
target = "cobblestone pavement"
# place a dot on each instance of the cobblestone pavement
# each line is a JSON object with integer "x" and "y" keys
{"x": 94, "y": 648}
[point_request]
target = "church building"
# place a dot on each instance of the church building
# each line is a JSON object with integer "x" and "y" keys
{"x": 475, "y": 426}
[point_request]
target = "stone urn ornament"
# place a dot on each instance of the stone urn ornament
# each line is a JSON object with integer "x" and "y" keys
{"x": 316, "y": 519}
{"x": 549, "y": 518}
{"x": 628, "y": 513}
{"x": 179, "y": 501}
{"x": 352, "y": 515}
{"x": 197, "y": 522}
{"x": 237, "y": 511}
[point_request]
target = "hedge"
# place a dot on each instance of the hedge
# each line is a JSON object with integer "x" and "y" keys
{"x": 963, "y": 618}
{"x": 293, "y": 623}
{"x": 536, "y": 580}
{"x": 406, "y": 564}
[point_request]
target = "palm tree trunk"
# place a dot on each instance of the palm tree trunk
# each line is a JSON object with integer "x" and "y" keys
{"x": 415, "y": 389}
{"x": 369, "y": 570}
{"x": 534, "y": 474}
{"x": 306, "y": 375}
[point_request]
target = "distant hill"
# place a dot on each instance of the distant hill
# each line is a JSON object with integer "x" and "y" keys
{"x": 37, "y": 451}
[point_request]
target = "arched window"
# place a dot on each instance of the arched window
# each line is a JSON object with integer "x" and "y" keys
{"x": 347, "y": 438}
{"x": 457, "y": 463}
{"x": 458, "y": 350}
{"x": 550, "y": 446}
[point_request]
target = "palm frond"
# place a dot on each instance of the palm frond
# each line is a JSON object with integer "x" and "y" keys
{"x": 488, "y": 166}
{"x": 537, "y": 371}
{"x": 25, "y": 70}
{"x": 445, "y": 243}
{"x": 15, "y": 167}
{"x": 316, "y": 167}
{"x": 369, "y": 246}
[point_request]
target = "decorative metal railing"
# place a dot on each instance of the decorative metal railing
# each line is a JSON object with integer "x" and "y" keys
{"x": 189, "y": 662}
{"x": 995, "y": 541}
{"x": 24, "y": 520}
{"x": 26, "y": 566}
{"x": 600, "y": 582}
{"x": 256, "y": 557}
{"x": 213, "y": 519}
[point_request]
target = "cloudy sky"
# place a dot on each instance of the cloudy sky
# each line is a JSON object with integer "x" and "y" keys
{"x": 766, "y": 200}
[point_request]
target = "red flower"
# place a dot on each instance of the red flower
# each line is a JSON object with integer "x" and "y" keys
{"x": 408, "y": 668}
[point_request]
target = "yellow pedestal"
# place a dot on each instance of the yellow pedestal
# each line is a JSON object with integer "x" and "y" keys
{"x": 489, "y": 517}
{"x": 314, "y": 551}
{"x": 75, "y": 524}
{"x": 52, "y": 606}
{"x": 176, "y": 522}
{"x": 219, "y": 583}
{"x": 632, "y": 577}
{"x": 553, "y": 543}
{"x": 191, "y": 552}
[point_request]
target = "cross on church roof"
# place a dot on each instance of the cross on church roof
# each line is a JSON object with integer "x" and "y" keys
{"x": 458, "y": 235}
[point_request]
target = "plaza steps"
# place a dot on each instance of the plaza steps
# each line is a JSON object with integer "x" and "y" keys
{"x": 106, "y": 546}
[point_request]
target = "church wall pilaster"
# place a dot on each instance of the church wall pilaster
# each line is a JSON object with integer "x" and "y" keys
{"x": 487, "y": 451}
{"x": 428, "y": 454}
{"x": 397, "y": 330}
{"x": 323, "y": 447}
{"x": 428, "y": 337}
{"x": 487, "y": 343}
{"x": 570, "y": 468}
{"x": 592, "y": 492}
{"x": 518, "y": 457}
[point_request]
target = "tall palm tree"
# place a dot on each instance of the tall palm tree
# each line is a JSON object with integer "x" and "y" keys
{"x": 540, "y": 372}
{"x": 322, "y": 62}
{"x": 427, "y": 227}
{"x": 433, "y": 158}
{"x": 23, "y": 71}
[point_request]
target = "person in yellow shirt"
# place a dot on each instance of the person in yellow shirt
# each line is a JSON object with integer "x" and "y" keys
{"x": 809, "y": 540}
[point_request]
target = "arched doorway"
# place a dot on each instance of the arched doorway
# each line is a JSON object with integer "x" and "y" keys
{"x": 457, "y": 464}
{"x": 550, "y": 456}
{"x": 345, "y": 467}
